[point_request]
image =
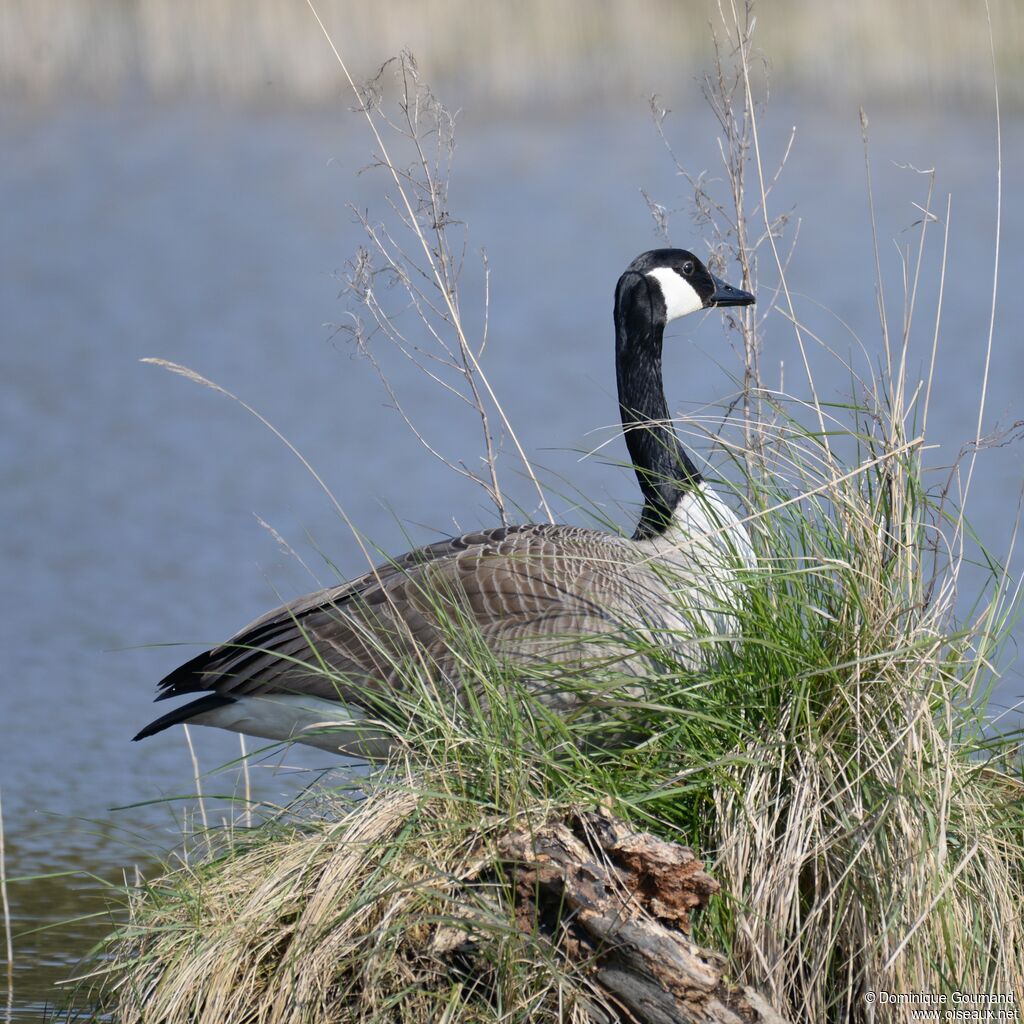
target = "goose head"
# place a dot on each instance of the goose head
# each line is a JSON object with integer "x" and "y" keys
{"x": 682, "y": 284}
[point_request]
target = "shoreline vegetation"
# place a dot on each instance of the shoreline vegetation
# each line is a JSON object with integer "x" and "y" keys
{"x": 552, "y": 53}
{"x": 833, "y": 762}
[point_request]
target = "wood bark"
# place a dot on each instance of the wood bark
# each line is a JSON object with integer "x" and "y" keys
{"x": 619, "y": 901}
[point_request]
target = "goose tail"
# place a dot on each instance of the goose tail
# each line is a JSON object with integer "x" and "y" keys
{"x": 185, "y": 714}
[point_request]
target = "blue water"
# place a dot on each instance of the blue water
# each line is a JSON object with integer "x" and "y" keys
{"x": 213, "y": 238}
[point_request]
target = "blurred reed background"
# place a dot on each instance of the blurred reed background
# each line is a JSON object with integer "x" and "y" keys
{"x": 550, "y": 51}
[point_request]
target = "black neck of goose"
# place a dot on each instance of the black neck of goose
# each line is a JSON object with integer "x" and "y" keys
{"x": 663, "y": 469}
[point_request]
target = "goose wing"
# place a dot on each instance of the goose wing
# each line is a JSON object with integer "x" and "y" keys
{"x": 517, "y": 586}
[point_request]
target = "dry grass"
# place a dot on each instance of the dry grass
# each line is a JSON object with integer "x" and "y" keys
{"x": 866, "y": 841}
{"x": 345, "y": 912}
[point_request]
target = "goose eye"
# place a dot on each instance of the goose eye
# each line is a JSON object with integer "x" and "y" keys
{"x": 688, "y": 267}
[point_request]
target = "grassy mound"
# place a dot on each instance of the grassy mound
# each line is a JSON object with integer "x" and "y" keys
{"x": 830, "y": 761}
{"x": 335, "y": 914}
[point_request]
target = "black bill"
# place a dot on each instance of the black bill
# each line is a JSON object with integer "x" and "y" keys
{"x": 726, "y": 295}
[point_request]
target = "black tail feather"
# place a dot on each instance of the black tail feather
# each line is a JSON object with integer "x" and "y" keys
{"x": 185, "y": 713}
{"x": 187, "y": 678}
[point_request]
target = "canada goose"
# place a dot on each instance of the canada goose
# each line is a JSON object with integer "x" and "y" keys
{"x": 311, "y": 663}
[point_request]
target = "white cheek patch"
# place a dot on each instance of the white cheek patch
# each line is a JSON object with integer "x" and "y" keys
{"x": 680, "y": 296}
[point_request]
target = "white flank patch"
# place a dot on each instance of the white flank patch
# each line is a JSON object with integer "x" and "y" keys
{"x": 313, "y": 721}
{"x": 680, "y": 296}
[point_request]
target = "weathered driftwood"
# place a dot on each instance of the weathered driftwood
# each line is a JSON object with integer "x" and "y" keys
{"x": 619, "y": 901}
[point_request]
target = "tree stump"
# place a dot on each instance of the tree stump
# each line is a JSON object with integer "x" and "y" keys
{"x": 619, "y": 901}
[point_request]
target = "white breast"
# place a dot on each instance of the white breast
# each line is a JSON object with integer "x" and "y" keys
{"x": 704, "y": 553}
{"x": 704, "y": 514}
